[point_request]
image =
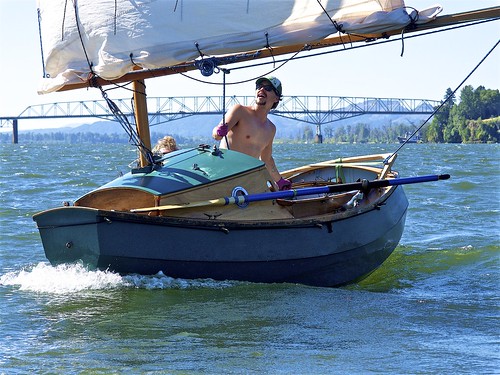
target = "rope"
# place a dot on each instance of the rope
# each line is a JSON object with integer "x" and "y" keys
{"x": 364, "y": 45}
{"x": 224, "y": 72}
{"x": 248, "y": 66}
{"x": 339, "y": 173}
{"x": 451, "y": 95}
{"x": 307, "y": 47}
{"x": 134, "y": 138}
{"x": 334, "y": 23}
{"x": 77, "y": 19}
{"x": 412, "y": 25}
{"x": 64, "y": 19}
{"x": 116, "y": 10}
{"x": 41, "y": 45}
{"x": 269, "y": 48}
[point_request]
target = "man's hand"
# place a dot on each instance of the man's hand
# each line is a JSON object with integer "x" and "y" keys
{"x": 284, "y": 184}
{"x": 220, "y": 131}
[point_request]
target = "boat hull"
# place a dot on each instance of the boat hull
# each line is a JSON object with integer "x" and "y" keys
{"x": 331, "y": 250}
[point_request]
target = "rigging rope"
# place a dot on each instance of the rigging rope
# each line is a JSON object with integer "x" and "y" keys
{"x": 412, "y": 25}
{"x": 41, "y": 44}
{"x": 334, "y": 23}
{"x": 224, "y": 72}
{"x": 122, "y": 119}
{"x": 284, "y": 61}
{"x": 451, "y": 95}
{"x": 307, "y": 48}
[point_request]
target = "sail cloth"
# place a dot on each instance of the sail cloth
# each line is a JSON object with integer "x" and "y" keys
{"x": 114, "y": 36}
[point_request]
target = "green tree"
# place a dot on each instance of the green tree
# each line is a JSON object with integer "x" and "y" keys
{"x": 450, "y": 129}
{"x": 328, "y": 131}
{"x": 483, "y": 131}
{"x": 308, "y": 134}
{"x": 434, "y": 132}
{"x": 470, "y": 103}
{"x": 490, "y": 102}
{"x": 340, "y": 134}
{"x": 361, "y": 133}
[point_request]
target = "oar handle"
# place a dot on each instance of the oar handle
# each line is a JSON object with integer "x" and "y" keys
{"x": 418, "y": 179}
{"x": 403, "y": 181}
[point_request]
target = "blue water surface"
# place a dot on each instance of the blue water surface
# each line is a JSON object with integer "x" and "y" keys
{"x": 433, "y": 307}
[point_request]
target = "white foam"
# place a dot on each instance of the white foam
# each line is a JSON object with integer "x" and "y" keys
{"x": 68, "y": 279}
{"x": 160, "y": 281}
{"x": 62, "y": 279}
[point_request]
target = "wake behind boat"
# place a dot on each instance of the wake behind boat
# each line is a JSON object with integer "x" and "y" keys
{"x": 207, "y": 212}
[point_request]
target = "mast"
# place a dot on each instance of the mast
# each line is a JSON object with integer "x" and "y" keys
{"x": 141, "y": 118}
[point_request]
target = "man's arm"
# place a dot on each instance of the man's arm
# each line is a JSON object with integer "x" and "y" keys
{"x": 267, "y": 157}
{"x": 231, "y": 119}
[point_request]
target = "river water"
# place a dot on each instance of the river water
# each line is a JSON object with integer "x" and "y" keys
{"x": 433, "y": 307}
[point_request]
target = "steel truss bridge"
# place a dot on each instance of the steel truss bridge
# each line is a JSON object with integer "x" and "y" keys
{"x": 317, "y": 110}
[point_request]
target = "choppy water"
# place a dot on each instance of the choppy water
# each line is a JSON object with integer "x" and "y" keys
{"x": 433, "y": 307}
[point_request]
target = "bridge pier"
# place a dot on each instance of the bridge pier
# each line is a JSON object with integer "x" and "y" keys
{"x": 318, "y": 138}
{"x": 15, "y": 131}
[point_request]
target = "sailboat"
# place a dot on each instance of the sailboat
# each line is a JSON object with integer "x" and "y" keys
{"x": 208, "y": 212}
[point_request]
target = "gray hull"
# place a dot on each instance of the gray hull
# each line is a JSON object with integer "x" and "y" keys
{"x": 334, "y": 250}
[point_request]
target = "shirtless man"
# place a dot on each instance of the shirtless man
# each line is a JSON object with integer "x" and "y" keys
{"x": 248, "y": 129}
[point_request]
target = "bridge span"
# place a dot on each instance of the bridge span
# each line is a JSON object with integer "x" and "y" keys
{"x": 316, "y": 110}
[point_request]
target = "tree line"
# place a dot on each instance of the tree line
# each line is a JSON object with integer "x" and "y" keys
{"x": 474, "y": 119}
{"x": 87, "y": 137}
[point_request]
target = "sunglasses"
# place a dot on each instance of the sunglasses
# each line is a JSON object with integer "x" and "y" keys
{"x": 268, "y": 88}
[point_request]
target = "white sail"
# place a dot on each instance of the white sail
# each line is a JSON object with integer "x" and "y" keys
{"x": 114, "y": 37}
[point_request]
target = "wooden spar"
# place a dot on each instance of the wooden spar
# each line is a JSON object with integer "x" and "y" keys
{"x": 141, "y": 117}
{"x": 441, "y": 21}
{"x": 471, "y": 15}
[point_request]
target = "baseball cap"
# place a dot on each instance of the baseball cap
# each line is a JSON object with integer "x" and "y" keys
{"x": 274, "y": 81}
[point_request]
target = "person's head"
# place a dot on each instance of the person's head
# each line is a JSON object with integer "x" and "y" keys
{"x": 165, "y": 145}
{"x": 270, "y": 84}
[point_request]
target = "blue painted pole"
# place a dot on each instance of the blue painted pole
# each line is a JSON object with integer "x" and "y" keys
{"x": 363, "y": 185}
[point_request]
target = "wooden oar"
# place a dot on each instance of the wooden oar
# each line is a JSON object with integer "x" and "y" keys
{"x": 364, "y": 185}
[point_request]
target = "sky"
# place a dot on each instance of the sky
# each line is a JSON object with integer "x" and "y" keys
{"x": 429, "y": 65}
